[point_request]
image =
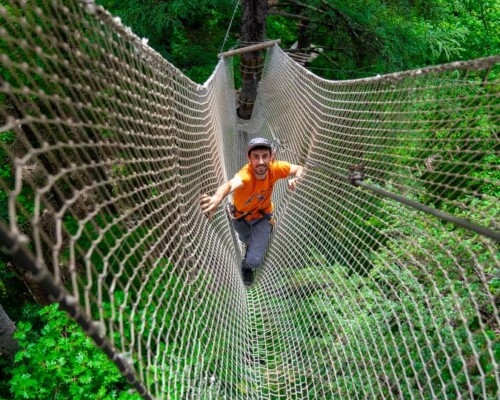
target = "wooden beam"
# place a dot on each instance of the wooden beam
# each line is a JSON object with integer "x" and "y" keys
{"x": 248, "y": 49}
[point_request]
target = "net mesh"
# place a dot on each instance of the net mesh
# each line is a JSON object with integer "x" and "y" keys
{"x": 382, "y": 275}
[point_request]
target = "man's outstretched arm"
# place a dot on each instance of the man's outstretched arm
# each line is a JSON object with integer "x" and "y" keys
{"x": 296, "y": 171}
{"x": 210, "y": 203}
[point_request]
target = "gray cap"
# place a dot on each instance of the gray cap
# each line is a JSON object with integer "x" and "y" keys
{"x": 258, "y": 142}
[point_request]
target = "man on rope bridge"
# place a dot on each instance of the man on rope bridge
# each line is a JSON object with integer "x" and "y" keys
{"x": 251, "y": 211}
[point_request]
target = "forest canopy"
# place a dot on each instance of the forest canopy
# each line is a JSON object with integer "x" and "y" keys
{"x": 352, "y": 38}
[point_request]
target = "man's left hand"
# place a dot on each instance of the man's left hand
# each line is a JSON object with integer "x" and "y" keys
{"x": 292, "y": 183}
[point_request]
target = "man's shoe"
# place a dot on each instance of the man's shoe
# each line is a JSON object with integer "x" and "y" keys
{"x": 247, "y": 276}
{"x": 244, "y": 250}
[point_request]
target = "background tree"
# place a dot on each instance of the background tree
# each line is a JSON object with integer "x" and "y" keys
{"x": 8, "y": 345}
{"x": 352, "y": 38}
{"x": 367, "y": 37}
{"x": 253, "y": 30}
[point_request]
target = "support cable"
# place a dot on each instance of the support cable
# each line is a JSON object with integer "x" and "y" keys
{"x": 230, "y": 24}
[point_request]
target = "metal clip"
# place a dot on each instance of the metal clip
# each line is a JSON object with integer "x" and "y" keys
{"x": 356, "y": 174}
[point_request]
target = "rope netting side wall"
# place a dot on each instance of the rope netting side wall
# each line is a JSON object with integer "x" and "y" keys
{"x": 376, "y": 283}
{"x": 105, "y": 149}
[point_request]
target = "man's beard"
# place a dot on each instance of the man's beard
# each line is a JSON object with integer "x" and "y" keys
{"x": 261, "y": 170}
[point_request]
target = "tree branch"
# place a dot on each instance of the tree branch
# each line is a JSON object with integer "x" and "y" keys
{"x": 294, "y": 16}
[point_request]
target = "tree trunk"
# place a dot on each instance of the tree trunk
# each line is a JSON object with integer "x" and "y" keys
{"x": 303, "y": 39}
{"x": 253, "y": 30}
{"x": 8, "y": 345}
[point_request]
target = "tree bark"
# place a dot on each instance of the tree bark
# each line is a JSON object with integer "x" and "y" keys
{"x": 253, "y": 30}
{"x": 8, "y": 345}
{"x": 303, "y": 38}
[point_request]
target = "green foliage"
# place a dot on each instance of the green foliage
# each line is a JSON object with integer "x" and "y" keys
{"x": 424, "y": 311}
{"x": 7, "y": 138}
{"x": 12, "y": 291}
{"x": 358, "y": 38}
{"x": 187, "y": 33}
{"x": 60, "y": 362}
{"x": 366, "y": 37}
{"x": 282, "y": 28}
{"x": 463, "y": 147}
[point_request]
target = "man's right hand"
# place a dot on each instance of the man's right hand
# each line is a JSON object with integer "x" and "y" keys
{"x": 208, "y": 204}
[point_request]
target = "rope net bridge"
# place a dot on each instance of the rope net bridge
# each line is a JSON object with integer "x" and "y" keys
{"x": 382, "y": 276}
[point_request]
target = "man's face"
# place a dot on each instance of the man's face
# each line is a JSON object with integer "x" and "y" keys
{"x": 259, "y": 159}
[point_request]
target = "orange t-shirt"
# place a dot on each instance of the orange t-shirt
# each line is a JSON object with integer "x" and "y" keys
{"x": 255, "y": 194}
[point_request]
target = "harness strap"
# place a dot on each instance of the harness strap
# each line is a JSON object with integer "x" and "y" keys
{"x": 233, "y": 210}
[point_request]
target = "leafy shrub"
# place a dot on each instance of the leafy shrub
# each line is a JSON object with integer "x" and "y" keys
{"x": 60, "y": 362}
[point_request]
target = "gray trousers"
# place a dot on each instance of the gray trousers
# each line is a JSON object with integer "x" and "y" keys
{"x": 255, "y": 234}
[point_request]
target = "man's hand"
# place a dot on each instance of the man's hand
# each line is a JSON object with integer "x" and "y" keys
{"x": 297, "y": 171}
{"x": 209, "y": 204}
{"x": 292, "y": 183}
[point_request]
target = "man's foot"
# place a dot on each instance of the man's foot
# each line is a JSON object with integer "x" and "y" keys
{"x": 247, "y": 276}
